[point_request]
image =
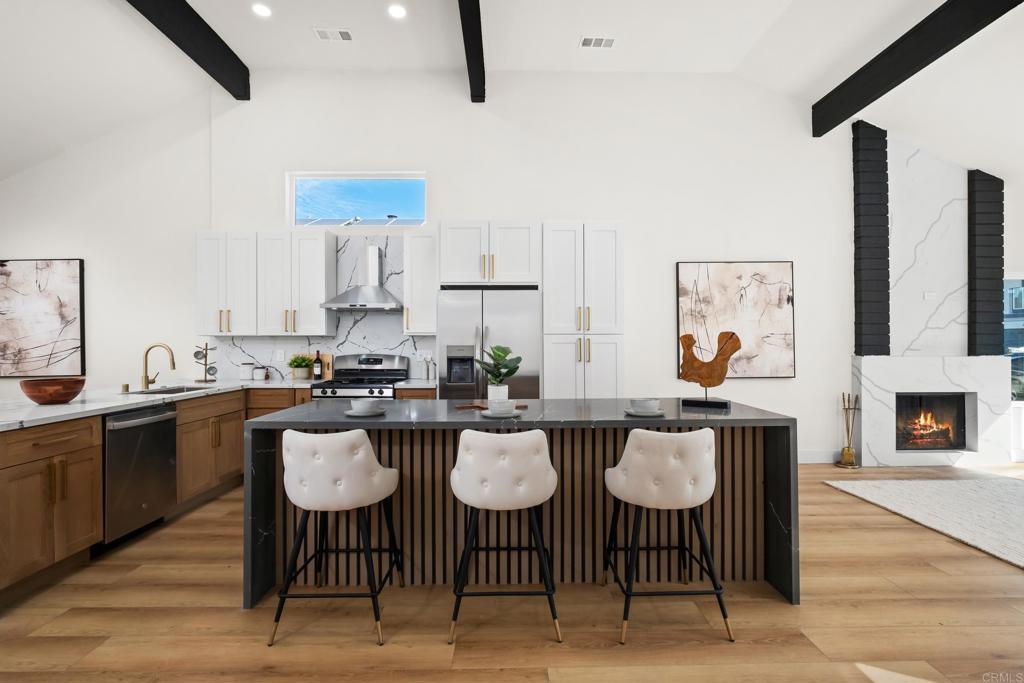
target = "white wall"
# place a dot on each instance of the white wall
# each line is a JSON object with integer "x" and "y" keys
{"x": 696, "y": 167}
{"x": 129, "y": 204}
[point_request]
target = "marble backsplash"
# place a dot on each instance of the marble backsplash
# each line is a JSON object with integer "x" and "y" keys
{"x": 358, "y": 331}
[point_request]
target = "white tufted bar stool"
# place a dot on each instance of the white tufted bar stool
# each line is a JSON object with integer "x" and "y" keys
{"x": 503, "y": 472}
{"x": 335, "y": 473}
{"x": 663, "y": 471}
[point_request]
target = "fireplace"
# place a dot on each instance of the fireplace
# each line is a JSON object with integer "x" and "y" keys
{"x": 930, "y": 422}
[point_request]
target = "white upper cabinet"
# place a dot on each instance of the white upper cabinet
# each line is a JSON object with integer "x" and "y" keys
{"x": 563, "y": 277}
{"x": 314, "y": 280}
{"x": 563, "y": 366}
{"x": 465, "y": 247}
{"x": 274, "y": 293}
{"x": 420, "y": 282}
{"x": 210, "y": 283}
{"x": 225, "y": 283}
{"x": 240, "y": 283}
{"x": 482, "y": 252}
{"x": 603, "y": 366}
{"x": 603, "y": 288}
{"x": 515, "y": 252}
{"x": 296, "y": 273}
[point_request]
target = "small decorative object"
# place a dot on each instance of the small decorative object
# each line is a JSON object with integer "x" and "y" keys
{"x": 848, "y": 457}
{"x": 498, "y": 369}
{"x": 52, "y": 390}
{"x": 709, "y": 373}
{"x": 245, "y": 370}
{"x": 752, "y": 299}
{"x": 301, "y": 365}
{"x": 202, "y": 357}
{"x": 41, "y": 318}
{"x": 260, "y": 373}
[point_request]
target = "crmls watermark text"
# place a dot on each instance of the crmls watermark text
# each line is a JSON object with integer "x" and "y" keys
{"x": 1003, "y": 677}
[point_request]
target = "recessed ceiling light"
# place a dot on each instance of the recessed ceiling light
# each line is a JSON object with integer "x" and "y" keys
{"x": 261, "y": 10}
{"x": 396, "y": 12}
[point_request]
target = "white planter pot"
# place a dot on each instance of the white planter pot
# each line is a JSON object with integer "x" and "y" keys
{"x": 497, "y": 392}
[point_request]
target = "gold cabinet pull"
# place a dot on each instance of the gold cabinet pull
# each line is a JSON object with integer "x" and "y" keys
{"x": 286, "y": 320}
{"x": 579, "y": 349}
{"x": 579, "y": 317}
{"x": 220, "y": 320}
{"x": 483, "y": 266}
{"x": 229, "y": 320}
{"x": 54, "y": 441}
{"x": 295, "y": 327}
{"x": 407, "y": 317}
{"x": 588, "y": 349}
{"x": 63, "y": 479}
{"x": 51, "y": 475}
{"x": 492, "y": 266}
{"x": 588, "y": 318}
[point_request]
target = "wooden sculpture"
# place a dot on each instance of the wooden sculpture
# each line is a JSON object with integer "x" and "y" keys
{"x": 707, "y": 373}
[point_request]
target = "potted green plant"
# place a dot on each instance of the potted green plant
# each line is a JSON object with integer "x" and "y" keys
{"x": 301, "y": 365}
{"x": 499, "y": 367}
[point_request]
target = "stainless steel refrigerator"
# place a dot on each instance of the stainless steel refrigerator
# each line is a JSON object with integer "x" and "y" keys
{"x": 470, "y": 320}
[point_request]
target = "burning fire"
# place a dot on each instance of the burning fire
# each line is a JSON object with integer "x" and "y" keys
{"x": 926, "y": 424}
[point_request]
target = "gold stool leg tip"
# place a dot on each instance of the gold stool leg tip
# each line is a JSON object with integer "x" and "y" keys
{"x": 558, "y": 631}
{"x": 401, "y": 580}
{"x": 380, "y": 633}
{"x": 273, "y": 633}
{"x": 622, "y": 633}
{"x": 451, "y": 633}
{"x": 728, "y": 628}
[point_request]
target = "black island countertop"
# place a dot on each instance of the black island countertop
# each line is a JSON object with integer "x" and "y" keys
{"x": 539, "y": 414}
{"x": 751, "y": 518}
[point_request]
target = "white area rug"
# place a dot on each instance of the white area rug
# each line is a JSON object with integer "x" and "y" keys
{"x": 987, "y": 514}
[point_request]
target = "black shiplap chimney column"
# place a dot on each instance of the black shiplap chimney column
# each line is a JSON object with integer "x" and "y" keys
{"x": 870, "y": 240}
{"x": 984, "y": 264}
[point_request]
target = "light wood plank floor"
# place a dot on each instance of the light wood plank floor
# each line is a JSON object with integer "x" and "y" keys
{"x": 884, "y": 600}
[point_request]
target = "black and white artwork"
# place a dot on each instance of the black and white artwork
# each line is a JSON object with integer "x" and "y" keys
{"x": 42, "y": 331}
{"x": 754, "y": 299}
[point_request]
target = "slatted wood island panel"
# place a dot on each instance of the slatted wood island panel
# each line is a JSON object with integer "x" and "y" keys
{"x": 750, "y": 520}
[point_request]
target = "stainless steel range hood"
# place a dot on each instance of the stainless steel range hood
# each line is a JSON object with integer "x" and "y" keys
{"x": 369, "y": 297}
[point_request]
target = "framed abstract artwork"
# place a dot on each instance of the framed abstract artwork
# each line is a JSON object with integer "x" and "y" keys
{"x": 42, "y": 325}
{"x": 754, "y": 299}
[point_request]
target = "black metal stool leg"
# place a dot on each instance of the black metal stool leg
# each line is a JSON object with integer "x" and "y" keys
{"x": 320, "y": 563}
{"x": 364, "y": 534}
{"x": 289, "y": 574}
{"x": 393, "y": 549}
{"x": 611, "y": 546}
{"x": 545, "y": 568}
{"x": 683, "y": 546}
{"x": 632, "y": 569}
{"x": 705, "y": 550}
{"x": 462, "y": 574}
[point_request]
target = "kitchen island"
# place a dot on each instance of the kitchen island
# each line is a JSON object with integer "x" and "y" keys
{"x": 751, "y": 520}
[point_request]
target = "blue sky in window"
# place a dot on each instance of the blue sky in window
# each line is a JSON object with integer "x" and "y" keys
{"x": 338, "y": 199}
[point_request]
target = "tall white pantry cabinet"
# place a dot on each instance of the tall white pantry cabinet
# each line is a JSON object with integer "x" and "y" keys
{"x": 584, "y": 355}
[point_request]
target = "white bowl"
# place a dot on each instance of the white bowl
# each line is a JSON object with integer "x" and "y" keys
{"x": 365, "y": 405}
{"x": 501, "y": 406}
{"x": 645, "y": 405}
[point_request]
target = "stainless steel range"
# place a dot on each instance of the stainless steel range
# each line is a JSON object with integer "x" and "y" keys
{"x": 363, "y": 376}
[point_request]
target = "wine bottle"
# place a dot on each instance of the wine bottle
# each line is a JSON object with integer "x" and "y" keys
{"x": 318, "y": 367}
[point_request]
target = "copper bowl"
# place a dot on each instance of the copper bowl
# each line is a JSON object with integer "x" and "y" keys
{"x": 52, "y": 390}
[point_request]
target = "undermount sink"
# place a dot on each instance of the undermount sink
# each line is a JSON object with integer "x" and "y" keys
{"x": 169, "y": 390}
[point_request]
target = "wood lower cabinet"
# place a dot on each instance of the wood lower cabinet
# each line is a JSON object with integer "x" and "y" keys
{"x": 427, "y": 393}
{"x": 78, "y": 514}
{"x": 51, "y": 501}
{"x": 197, "y": 468}
{"x": 228, "y": 444}
{"x": 303, "y": 396}
{"x": 26, "y": 519}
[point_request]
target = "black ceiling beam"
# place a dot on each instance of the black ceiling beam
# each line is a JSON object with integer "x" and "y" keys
{"x": 178, "y": 21}
{"x": 951, "y": 24}
{"x": 473, "y": 39}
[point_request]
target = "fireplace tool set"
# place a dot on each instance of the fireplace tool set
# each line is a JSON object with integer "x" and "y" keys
{"x": 848, "y": 456}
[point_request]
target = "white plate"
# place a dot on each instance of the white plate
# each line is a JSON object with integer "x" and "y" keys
{"x": 488, "y": 413}
{"x": 375, "y": 413}
{"x": 654, "y": 413}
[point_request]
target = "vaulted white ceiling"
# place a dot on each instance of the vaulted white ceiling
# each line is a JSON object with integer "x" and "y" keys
{"x": 71, "y": 70}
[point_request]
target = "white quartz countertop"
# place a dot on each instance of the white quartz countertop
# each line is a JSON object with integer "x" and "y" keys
{"x": 16, "y": 413}
{"x": 417, "y": 384}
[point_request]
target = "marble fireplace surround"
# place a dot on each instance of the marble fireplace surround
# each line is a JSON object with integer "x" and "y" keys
{"x": 985, "y": 381}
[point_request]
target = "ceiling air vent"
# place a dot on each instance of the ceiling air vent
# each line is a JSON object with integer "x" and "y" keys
{"x": 592, "y": 41}
{"x": 332, "y": 34}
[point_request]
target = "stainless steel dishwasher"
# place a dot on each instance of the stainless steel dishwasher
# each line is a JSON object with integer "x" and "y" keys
{"x": 140, "y": 469}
